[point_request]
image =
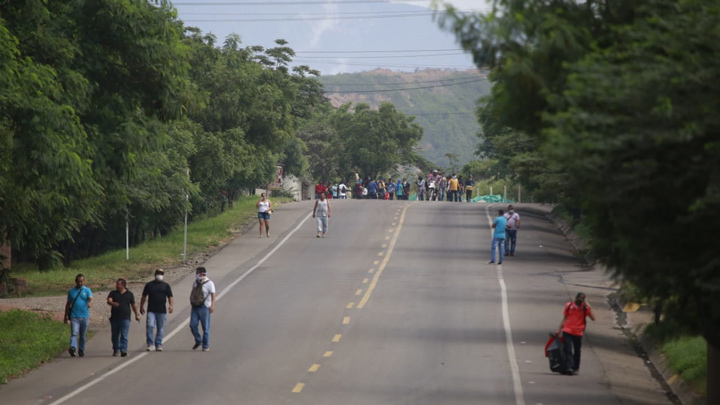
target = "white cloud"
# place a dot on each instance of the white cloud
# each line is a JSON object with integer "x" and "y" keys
{"x": 323, "y": 26}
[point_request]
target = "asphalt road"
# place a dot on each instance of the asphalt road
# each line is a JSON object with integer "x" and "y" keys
{"x": 395, "y": 306}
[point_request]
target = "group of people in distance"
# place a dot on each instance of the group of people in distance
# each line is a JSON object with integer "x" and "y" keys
{"x": 122, "y": 306}
{"x": 436, "y": 187}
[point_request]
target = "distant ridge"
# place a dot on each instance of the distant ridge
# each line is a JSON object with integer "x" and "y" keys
{"x": 443, "y": 101}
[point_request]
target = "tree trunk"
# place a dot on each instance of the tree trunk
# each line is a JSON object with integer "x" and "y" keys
{"x": 713, "y": 375}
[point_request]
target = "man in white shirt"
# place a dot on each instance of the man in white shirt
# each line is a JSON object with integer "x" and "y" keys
{"x": 202, "y": 301}
{"x": 513, "y": 224}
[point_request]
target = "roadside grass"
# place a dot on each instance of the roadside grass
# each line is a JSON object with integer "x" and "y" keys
{"x": 28, "y": 339}
{"x": 101, "y": 271}
{"x": 687, "y": 356}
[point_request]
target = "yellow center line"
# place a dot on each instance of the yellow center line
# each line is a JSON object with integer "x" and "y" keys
{"x": 350, "y": 305}
{"x": 394, "y": 223}
{"x": 384, "y": 245}
{"x": 365, "y": 280}
{"x": 336, "y": 338}
{"x": 381, "y": 253}
{"x": 385, "y": 261}
{"x": 314, "y": 368}
{"x": 391, "y": 230}
{"x": 298, "y": 388}
{"x": 346, "y": 320}
{"x": 327, "y": 354}
{"x": 359, "y": 291}
{"x": 376, "y": 262}
{"x": 387, "y": 238}
{"x": 371, "y": 271}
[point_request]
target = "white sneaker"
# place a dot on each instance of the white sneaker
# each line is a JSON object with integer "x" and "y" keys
{"x": 150, "y": 348}
{"x": 158, "y": 349}
{"x": 206, "y": 349}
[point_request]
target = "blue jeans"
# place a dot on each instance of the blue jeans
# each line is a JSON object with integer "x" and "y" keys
{"x": 155, "y": 319}
{"x": 510, "y": 240}
{"x": 497, "y": 242}
{"x": 441, "y": 196}
{"x": 420, "y": 195}
{"x": 201, "y": 315}
{"x": 78, "y": 329}
{"x": 119, "y": 331}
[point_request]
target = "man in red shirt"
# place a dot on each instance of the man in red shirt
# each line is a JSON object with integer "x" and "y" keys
{"x": 319, "y": 189}
{"x": 572, "y": 327}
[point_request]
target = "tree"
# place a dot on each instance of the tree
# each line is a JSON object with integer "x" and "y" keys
{"x": 619, "y": 99}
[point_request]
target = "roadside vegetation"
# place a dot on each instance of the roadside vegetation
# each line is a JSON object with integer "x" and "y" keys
{"x": 102, "y": 271}
{"x": 28, "y": 339}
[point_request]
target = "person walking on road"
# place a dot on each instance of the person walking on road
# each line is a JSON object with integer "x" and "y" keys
{"x": 321, "y": 211}
{"x": 399, "y": 190}
{"x": 453, "y": 188}
{"x": 264, "y": 207}
{"x": 202, "y": 301}
{"x": 499, "y": 225}
{"x": 156, "y": 292}
{"x": 469, "y": 184}
{"x": 420, "y": 188}
{"x": 406, "y": 189}
{"x": 572, "y": 328}
{"x": 513, "y": 224}
{"x": 121, "y": 301}
{"x": 319, "y": 188}
{"x": 77, "y": 312}
{"x": 342, "y": 190}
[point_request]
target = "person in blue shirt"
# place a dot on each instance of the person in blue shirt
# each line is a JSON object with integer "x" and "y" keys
{"x": 77, "y": 311}
{"x": 399, "y": 190}
{"x": 372, "y": 189}
{"x": 499, "y": 225}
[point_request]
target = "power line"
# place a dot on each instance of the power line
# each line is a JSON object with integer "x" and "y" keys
{"x": 388, "y": 51}
{"x": 389, "y": 84}
{"x": 390, "y": 57}
{"x": 251, "y": 20}
{"x": 291, "y": 3}
{"x": 385, "y": 65}
{"x": 408, "y": 89}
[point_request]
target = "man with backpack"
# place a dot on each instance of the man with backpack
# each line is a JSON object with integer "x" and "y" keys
{"x": 77, "y": 312}
{"x": 202, "y": 302}
{"x": 572, "y": 328}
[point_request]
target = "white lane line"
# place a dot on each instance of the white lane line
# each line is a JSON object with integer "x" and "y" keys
{"x": 517, "y": 383}
{"x": 183, "y": 324}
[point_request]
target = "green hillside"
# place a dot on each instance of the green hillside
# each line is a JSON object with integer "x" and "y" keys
{"x": 443, "y": 101}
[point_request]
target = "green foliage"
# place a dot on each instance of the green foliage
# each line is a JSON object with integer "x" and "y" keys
{"x": 613, "y": 105}
{"x": 28, "y": 339}
{"x": 688, "y": 357}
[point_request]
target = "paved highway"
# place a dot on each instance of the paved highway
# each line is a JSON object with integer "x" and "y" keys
{"x": 395, "y": 306}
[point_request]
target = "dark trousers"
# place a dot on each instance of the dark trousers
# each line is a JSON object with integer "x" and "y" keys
{"x": 572, "y": 348}
{"x": 468, "y": 195}
{"x": 452, "y": 195}
{"x": 510, "y": 240}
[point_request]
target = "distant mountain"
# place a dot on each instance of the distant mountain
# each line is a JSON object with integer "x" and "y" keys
{"x": 443, "y": 101}
{"x": 334, "y": 37}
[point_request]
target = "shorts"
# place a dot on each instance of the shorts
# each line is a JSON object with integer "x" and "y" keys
{"x": 264, "y": 215}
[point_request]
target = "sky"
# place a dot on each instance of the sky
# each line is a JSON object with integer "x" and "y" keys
{"x": 338, "y": 36}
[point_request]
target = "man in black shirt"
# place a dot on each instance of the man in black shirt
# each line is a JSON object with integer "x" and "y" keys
{"x": 156, "y": 291}
{"x": 120, "y": 301}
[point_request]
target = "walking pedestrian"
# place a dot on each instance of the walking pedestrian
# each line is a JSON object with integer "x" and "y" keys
{"x": 461, "y": 187}
{"x": 391, "y": 189}
{"x": 264, "y": 207}
{"x": 381, "y": 189}
{"x": 513, "y": 224}
{"x": 572, "y": 328}
{"x": 322, "y": 212}
{"x": 156, "y": 292}
{"x": 77, "y": 312}
{"x": 372, "y": 188}
{"x": 121, "y": 301}
{"x": 319, "y": 188}
{"x": 442, "y": 183}
{"x": 202, "y": 301}
{"x": 342, "y": 190}
{"x": 399, "y": 190}
{"x": 420, "y": 188}
{"x": 453, "y": 188}
{"x": 469, "y": 184}
{"x": 499, "y": 225}
{"x": 406, "y": 189}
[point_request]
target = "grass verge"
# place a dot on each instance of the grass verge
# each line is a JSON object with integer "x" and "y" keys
{"x": 687, "y": 356}
{"x": 101, "y": 271}
{"x": 28, "y": 339}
